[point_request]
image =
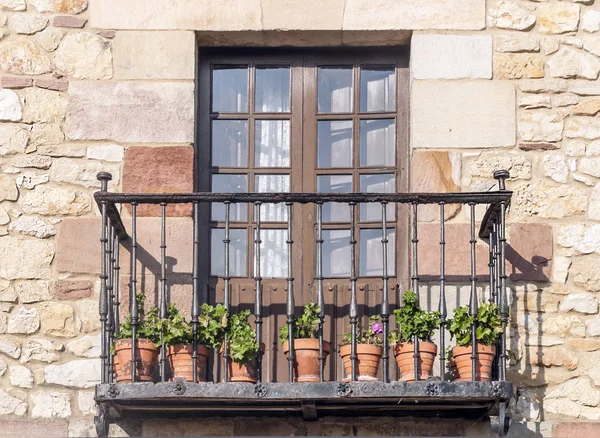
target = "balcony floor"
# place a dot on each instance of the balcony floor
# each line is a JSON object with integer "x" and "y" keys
{"x": 429, "y": 398}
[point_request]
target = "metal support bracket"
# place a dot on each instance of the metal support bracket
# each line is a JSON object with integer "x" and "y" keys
{"x": 102, "y": 420}
{"x": 309, "y": 410}
{"x": 500, "y": 423}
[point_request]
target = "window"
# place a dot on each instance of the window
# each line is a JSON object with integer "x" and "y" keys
{"x": 303, "y": 121}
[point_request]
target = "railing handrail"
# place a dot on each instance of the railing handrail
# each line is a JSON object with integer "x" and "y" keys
{"x": 305, "y": 198}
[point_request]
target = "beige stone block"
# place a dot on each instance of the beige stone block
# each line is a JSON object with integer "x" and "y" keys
{"x": 443, "y": 56}
{"x": 300, "y": 14}
{"x": 154, "y": 55}
{"x": 153, "y": 112}
{"x": 463, "y": 115}
{"x": 227, "y": 15}
{"x": 414, "y": 14}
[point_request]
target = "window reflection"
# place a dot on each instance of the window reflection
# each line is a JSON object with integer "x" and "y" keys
{"x": 377, "y": 89}
{"x": 230, "y": 89}
{"x": 336, "y": 253}
{"x": 377, "y": 183}
{"x": 335, "y": 211}
{"x": 371, "y": 252}
{"x": 237, "y": 252}
{"x": 272, "y": 90}
{"x": 230, "y": 143}
{"x": 377, "y": 142}
{"x": 272, "y": 143}
{"x": 334, "y": 93}
{"x": 334, "y": 143}
{"x": 229, "y": 183}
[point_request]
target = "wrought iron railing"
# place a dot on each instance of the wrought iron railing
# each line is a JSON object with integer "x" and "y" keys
{"x": 492, "y": 229}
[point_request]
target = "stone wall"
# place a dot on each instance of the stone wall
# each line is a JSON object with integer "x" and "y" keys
{"x": 110, "y": 86}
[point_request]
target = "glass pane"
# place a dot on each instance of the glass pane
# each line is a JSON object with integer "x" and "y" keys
{"x": 371, "y": 252}
{"x": 335, "y": 211}
{"x": 237, "y": 252}
{"x": 334, "y": 143}
{"x": 227, "y": 183}
{"x": 377, "y": 183}
{"x": 377, "y": 142}
{"x": 272, "y": 143}
{"x": 335, "y": 89}
{"x": 230, "y": 143}
{"x": 377, "y": 89}
{"x": 336, "y": 253}
{"x": 230, "y": 89}
{"x": 272, "y": 184}
{"x": 272, "y": 90}
{"x": 273, "y": 253}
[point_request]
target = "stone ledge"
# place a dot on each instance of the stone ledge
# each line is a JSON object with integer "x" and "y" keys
{"x": 258, "y": 15}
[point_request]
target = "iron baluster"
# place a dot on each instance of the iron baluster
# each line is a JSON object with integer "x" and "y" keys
{"x": 104, "y": 178}
{"x": 353, "y": 303}
{"x": 442, "y": 306}
{"x": 473, "y": 304}
{"x": 163, "y": 288}
{"x": 385, "y": 306}
{"x": 116, "y": 280}
{"x": 258, "y": 286}
{"x": 415, "y": 281}
{"x": 320, "y": 297}
{"x": 226, "y": 287}
{"x": 195, "y": 291}
{"x": 290, "y": 296}
{"x": 111, "y": 298}
{"x": 496, "y": 235}
{"x": 133, "y": 307}
{"x": 501, "y": 176}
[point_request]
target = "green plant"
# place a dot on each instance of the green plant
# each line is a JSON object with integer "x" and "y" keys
{"x": 487, "y": 320}
{"x": 371, "y": 334}
{"x": 307, "y": 326}
{"x": 241, "y": 338}
{"x": 413, "y": 321}
{"x": 212, "y": 323}
{"x": 149, "y": 325}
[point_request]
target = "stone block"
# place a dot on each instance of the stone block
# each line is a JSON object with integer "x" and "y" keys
{"x": 227, "y": 15}
{"x": 576, "y": 430}
{"x": 77, "y": 237}
{"x": 83, "y": 373}
{"x": 39, "y": 429}
{"x": 155, "y": 55}
{"x": 441, "y": 56}
{"x": 25, "y": 258}
{"x": 435, "y": 172}
{"x": 205, "y": 427}
{"x": 72, "y": 289}
{"x": 440, "y": 109}
{"x": 300, "y": 15}
{"x": 15, "y": 82}
{"x": 414, "y": 14}
{"x": 527, "y": 261}
{"x": 69, "y": 21}
{"x": 152, "y": 112}
{"x": 159, "y": 170}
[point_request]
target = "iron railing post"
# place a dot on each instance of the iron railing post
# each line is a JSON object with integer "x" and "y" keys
{"x": 104, "y": 178}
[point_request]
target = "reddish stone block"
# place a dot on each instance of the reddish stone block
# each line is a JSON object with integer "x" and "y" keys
{"x": 78, "y": 246}
{"x": 431, "y": 172}
{"x": 15, "y": 82}
{"x": 538, "y": 146}
{"x": 34, "y": 428}
{"x": 72, "y": 289}
{"x": 61, "y": 84}
{"x": 108, "y": 34}
{"x": 528, "y": 254}
{"x": 576, "y": 430}
{"x": 159, "y": 170}
{"x": 69, "y": 21}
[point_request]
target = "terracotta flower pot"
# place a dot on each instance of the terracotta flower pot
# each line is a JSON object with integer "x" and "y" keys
{"x": 307, "y": 364}
{"x": 483, "y": 369}
{"x": 146, "y": 355}
{"x": 247, "y": 372}
{"x": 181, "y": 361}
{"x": 404, "y": 353}
{"x": 368, "y": 360}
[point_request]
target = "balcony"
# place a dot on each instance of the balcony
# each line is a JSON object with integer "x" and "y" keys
{"x": 336, "y": 390}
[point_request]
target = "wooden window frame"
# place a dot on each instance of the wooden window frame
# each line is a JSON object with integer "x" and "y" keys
{"x": 303, "y": 116}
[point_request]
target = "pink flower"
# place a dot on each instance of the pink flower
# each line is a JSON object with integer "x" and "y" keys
{"x": 377, "y": 329}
